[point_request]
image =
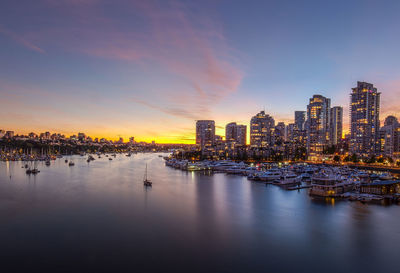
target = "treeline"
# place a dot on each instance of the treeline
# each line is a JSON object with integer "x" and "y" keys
{"x": 39, "y": 147}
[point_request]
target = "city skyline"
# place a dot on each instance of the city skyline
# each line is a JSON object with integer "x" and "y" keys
{"x": 88, "y": 69}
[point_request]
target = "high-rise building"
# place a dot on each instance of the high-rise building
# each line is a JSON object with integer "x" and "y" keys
{"x": 336, "y": 124}
{"x": 231, "y": 132}
{"x": 389, "y": 137}
{"x": 235, "y": 133}
{"x": 318, "y": 111}
{"x": 280, "y": 132}
{"x": 300, "y": 119}
{"x": 261, "y": 130}
{"x": 205, "y": 133}
{"x": 364, "y": 119}
{"x": 241, "y": 135}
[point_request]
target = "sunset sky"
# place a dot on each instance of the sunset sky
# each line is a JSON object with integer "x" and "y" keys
{"x": 149, "y": 69}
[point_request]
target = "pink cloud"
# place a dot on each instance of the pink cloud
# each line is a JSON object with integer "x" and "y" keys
{"x": 189, "y": 46}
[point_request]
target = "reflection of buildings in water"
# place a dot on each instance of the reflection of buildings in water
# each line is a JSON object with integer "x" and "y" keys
{"x": 361, "y": 231}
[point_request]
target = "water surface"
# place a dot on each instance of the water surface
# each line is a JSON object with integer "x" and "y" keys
{"x": 97, "y": 216}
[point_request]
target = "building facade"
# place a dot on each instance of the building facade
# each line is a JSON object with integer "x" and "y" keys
{"x": 231, "y": 132}
{"x": 261, "y": 130}
{"x": 388, "y": 137}
{"x": 318, "y": 117}
{"x": 205, "y": 134}
{"x": 236, "y": 133}
{"x": 300, "y": 119}
{"x": 364, "y": 119}
{"x": 336, "y": 124}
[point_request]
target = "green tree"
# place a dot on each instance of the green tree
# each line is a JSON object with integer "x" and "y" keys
{"x": 354, "y": 158}
{"x": 336, "y": 158}
{"x": 371, "y": 160}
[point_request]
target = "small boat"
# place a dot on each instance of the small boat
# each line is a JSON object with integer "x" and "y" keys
{"x": 47, "y": 163}
{"x": 109, "y": 158}
{"x": 146, "y": 181}
{"x": 71, "y": 163}
{"x": 32, "y": 171}
{"x": 66, "y": 160}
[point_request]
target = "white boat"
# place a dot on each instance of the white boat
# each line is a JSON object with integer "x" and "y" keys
{"x": 270, "y": 175}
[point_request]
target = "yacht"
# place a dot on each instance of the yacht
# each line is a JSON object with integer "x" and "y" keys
{"x": 328, "y": 184}
{"x": 270, "y": 175}
{"x": 146, "y": 181}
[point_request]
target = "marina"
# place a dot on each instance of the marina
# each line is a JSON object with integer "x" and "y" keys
{"x": 320, "y": 180}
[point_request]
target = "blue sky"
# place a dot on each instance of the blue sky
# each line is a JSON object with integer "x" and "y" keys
{"x": 151, "y": 68}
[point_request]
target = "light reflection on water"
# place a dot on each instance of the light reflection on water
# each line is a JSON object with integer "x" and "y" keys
{"x": 98, "y": 216}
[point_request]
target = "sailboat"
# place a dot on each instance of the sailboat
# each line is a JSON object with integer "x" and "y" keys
{"x": 146, "y": 181}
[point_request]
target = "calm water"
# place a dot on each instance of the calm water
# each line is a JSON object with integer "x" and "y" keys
{"x": 98, "y": 216}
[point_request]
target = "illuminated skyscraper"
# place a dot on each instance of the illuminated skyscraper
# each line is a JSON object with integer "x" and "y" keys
{"x": 241, "y": 135}
{"x": 261, "y": 130}
{"x": 364, "y": 119}
{"x": 235, "y": 133}
{"x": 336, "y": 124}
{"x": 231, "y": 132}
{"x": 318, "y": 112}
{"x": 205, "y": 133}
{"x": 300, "y": 119}
{"x": 389, "y": 137}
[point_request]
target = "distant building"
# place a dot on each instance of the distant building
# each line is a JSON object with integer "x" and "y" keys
{"x": 364, "y": 119}
{"x": 262, "y": 127}
{"x": 280, "y": 132}
{"x": 231, "y": 132}
{"x": 205, "y": 133}
{"x": 388, "y": 136}
{"x": 300, "y": 119}
{"x": 2, "y": 133}
{"x": 235, "y": 133}
{"x": 289, "y": 131}
{"x": 45, "y": 135}
{"x": 336, "y": 124}
{"x": 318, "y": 111}
{"x": 131, "y": 140}
{"x": 81, "y": 136}
{"x": 241, "y": 135}
{"x": 9, "y": 134}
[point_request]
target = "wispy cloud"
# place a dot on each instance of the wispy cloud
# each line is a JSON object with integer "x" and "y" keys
{"x": 21, "y": 40}
{"x": 189, "y": 46}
